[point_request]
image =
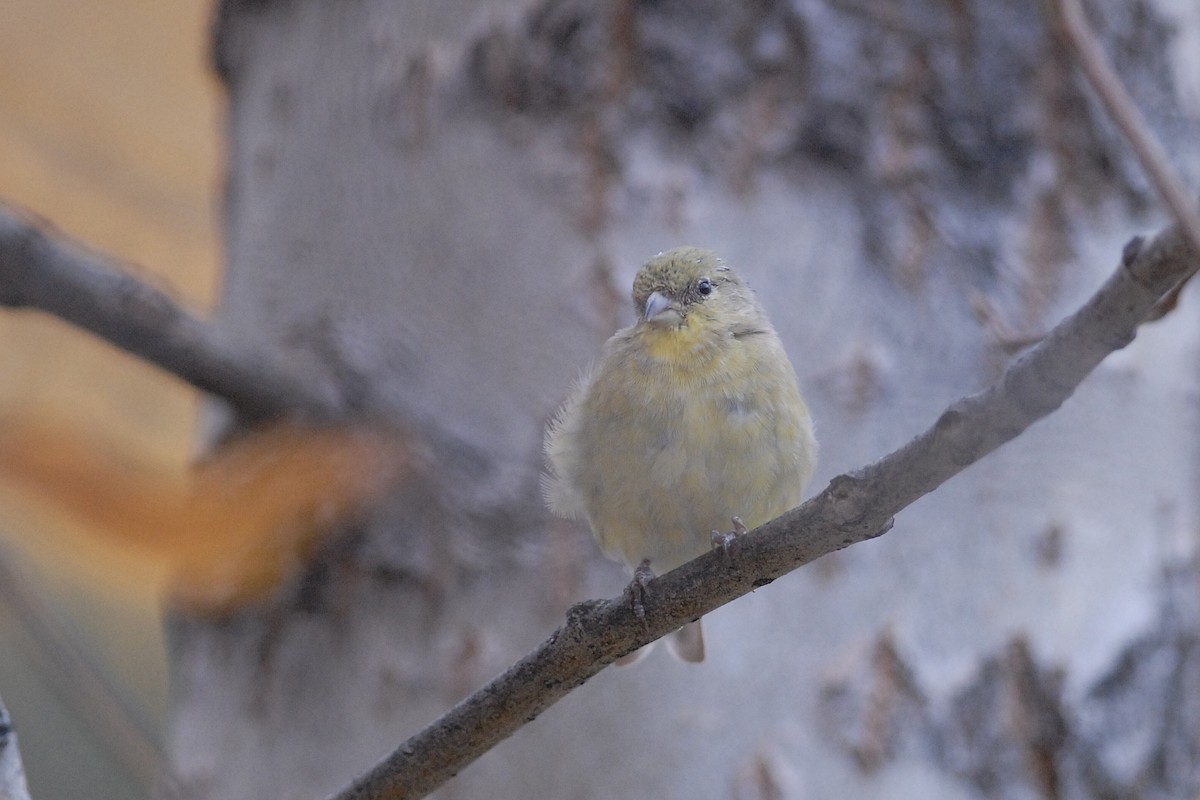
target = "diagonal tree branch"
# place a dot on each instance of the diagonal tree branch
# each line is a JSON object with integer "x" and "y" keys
{"x": 43, "y": 270}
{"x": 855, "y": 507}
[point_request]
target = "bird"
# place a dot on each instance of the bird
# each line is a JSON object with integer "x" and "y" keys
{"x": 692, "y": 417}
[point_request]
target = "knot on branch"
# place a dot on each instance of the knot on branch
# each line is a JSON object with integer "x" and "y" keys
{"x": 949, "y": 423}
{"x": 882, "y": 529}
{"x": 1161, "y": 263}
{"x": 956, "y": 434}
{"x": 1131, "y": 251}
{"x": 848, "y": 500}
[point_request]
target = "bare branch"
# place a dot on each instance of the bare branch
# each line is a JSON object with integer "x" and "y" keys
{"x": 12, "y": 771}
{"x": 855, "y": 507}
{"x": 1124, "y": 112}
{"x": 44, "y": 270}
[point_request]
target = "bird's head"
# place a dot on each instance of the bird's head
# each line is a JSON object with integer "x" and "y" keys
{"x": 689, "y": 288}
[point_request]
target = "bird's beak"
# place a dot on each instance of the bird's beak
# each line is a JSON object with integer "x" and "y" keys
{"x": 660, "y": 311}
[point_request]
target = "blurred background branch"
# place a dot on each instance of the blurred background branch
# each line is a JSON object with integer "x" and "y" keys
{"x": 41, "y": 269}
{"x": 1123, "y": 111}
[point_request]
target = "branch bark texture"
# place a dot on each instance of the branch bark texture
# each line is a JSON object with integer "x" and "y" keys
{"x": 47, "y": 272}
{"x": 854, "y": 508}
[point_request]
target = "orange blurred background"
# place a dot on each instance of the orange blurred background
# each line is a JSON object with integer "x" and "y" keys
{"x": 110, "y": 127}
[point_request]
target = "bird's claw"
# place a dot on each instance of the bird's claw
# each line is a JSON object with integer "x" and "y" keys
{"x": 722, "y": 542}
{"x": 639, "y": 589}
{"x": 725, "y": 541}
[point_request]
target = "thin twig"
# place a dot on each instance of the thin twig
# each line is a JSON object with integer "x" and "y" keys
{"x": 855, "y": 507}
{"x": 1128, "y": 118}
{"x": 76, "y": 676}
{"x": 42, "y": 269}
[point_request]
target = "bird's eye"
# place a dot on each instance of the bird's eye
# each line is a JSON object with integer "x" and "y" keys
{"x": 704, "y": 287}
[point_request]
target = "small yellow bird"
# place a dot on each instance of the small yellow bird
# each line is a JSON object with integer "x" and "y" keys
{"x": 692, "y": 416}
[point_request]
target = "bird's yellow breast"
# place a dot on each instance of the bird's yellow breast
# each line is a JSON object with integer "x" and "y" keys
{"x": 679, "y": 431}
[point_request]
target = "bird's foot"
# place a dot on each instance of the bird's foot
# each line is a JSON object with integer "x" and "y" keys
{"x": 725, "y": 541}
{"x": 639, "y": 589}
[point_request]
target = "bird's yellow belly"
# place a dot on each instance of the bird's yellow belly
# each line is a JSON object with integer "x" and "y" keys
{"x": 703, "y": 456}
